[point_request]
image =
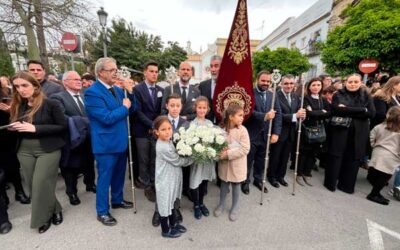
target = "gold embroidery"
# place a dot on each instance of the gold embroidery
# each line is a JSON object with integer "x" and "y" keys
{"x": 234, "y": 94}
{"x": 238, "y": 46}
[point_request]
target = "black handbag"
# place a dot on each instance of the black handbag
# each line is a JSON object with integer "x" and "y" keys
{"x": 315, "y": 134}
{"x": 338, "y": 121}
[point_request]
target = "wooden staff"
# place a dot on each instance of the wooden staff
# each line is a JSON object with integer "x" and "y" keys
{"x": 276, "y": 78}
{"x": 296, "y": 163}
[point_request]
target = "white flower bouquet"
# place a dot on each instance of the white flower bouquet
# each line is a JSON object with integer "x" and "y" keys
{"x": 202, "y": 143}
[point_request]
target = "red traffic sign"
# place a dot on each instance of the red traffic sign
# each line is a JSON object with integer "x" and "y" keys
{"x": 368, "y": 66}
{"x": 69, "y": 41}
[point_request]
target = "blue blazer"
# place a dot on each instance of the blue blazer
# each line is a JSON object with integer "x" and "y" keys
{"x": 146, "y": 111}
{"x": 256, "y": 126}
{"x": 107, "y": 118}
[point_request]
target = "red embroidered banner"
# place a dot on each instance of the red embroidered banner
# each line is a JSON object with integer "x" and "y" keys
{"x": 234, "y": 83}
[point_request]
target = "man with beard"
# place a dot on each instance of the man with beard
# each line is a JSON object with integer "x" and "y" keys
{"x": 257, "y": 126}
{"x": 188, "y": 92}
{"x": 36, "y": 68}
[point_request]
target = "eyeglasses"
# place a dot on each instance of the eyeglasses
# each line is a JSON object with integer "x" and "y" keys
{"x": 288, "y": 83}
{"x": 111, "y": 70}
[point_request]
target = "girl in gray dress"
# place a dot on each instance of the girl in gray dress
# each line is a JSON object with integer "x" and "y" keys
{"x": 168, "y": 179}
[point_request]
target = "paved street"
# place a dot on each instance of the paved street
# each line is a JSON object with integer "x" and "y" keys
{"x": 313, "y": 219}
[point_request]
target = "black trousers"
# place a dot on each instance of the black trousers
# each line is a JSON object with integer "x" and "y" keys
{"x": 11, "y": 167}
{"x": 378, "y": 180}
{"x": 279, "y": 153}
{"x": 199, "y": 192}
{"x": 256, "y": 160}
{"x": 3, "y": 205}
{"x": 307, "y": 158}
{"x": 71, "y": 178}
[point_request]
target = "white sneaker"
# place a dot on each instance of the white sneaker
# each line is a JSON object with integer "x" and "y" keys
{"x": 391, "y": 192}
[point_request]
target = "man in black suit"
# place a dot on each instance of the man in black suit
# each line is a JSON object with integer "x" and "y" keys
{"x": 36, "y": 68}
{"x": 188, "y": 92}
{"x": 75, "y": 158}
{"x": 149, "y": 97}
{"x": 257, "y": 126}
{"x": 207, "y": 87}
{"x": 291, "y": 112}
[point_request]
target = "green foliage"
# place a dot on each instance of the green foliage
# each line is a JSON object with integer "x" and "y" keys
{"x": 372, "y": 30}
{"x": 134, "y": 48}
{"x": 6, "y": 67}
{"x": 288, "y": 61}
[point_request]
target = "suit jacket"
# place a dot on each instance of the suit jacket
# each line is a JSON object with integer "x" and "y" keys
{"x": 50, "y": 126}
{"x": 68, "y": 104}
{"x": 187, "y": 108}
{"x": 256, "y": 125}
{"x": 205, "y": 90}
{"x": 107, "y": 116}
{"x": 50, "y": 88}
{"x": 288, "y": 131}
{"x": 146, "y": 111}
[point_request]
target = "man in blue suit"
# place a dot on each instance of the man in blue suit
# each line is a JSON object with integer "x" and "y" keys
{"x": 107, "y": 110}
{"x": 257, "y": 126}
{"x": 149, "y": 97}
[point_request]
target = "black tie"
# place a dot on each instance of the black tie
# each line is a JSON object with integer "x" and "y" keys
{"x": 153, "y": 94}
{"x": 173, "y": 125}
{"x": 112, "y": 90}
{"x": 80, "y": 104}
{"x": 184, "y": 94}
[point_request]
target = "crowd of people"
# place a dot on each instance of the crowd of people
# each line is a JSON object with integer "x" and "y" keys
{"x": 81, "y": 124}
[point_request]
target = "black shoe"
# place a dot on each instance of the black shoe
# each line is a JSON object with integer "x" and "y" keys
{"x": 283, "y": 182}
{"x": 155, "y": 221}
{"x": 21, "y": 197}
{"x": 91, "y": 188}
{"x": 57, "y": 218}
{"x": 107, "y": 219}
{"x": 150, "y": 194}
{"x": 197, "y": 212}
{"x": 204, "y": 210}
{"x": 74, "y": 199}
{"x": 177, "y": 215}
{"x": 245, "y": 188}
{"x": 180, "y": 228}
{"x": 5, "y": 227}
{"x": 124, "y": 204}
{"x": 274, "y": 183}
{"x": 259, "y": 186}
{"x": 45, "y": 227}
{"x": 378, "y": 199}
{"x": 172, "y": 233}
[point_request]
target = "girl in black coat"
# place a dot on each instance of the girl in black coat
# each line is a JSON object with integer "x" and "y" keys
{"x": 317, "y": 110}
{"x": 348, "y": 145}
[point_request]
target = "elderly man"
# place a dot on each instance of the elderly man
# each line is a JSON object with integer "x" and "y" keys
{"x": 36, "y": 68}
{"x": 76, "y": 156}
{"x": 188, "y": 92}
{"x": 107, "y": 110}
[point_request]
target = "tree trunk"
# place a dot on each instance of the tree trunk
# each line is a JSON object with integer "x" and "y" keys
{"x": 40, "y": 33}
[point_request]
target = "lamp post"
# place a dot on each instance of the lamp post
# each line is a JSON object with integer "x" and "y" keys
{"x": 103, "y": 22}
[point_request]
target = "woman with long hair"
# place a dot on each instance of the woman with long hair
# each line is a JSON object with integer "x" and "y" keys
{"x": 40, "y": 124}
{"x": 385, "y": 98}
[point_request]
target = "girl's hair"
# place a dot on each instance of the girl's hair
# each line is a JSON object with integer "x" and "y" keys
{"x": 232, "y": 110}
{"x": 17, "y": 101}
{"x": 387, "y": 91}
{"x": 308, "y": 85}
{"x": 393, "y": 119}
{"x": 201, "y": 99}
{"x": 159, "y": 121}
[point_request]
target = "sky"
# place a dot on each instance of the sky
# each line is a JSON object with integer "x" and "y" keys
{"x": 201, "y": 21}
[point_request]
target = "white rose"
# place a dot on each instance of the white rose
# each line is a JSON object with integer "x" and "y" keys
{"x": 199, "y": 148}
{"x": 220, "y": 139}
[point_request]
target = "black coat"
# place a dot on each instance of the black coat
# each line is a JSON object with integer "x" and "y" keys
{"x": 205, "y": 90}
{"x": 360, "y": 107}
{"x": 288, "y": 131}
{"x": 382, "y": 108}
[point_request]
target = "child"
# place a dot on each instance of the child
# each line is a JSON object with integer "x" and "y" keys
{"x": 232, "y": 167}
{"x": 168, "y": 179}
{"x": 385, "y": 142}
{"x": 174, "y": 106}
{"x": 200, "y": 174}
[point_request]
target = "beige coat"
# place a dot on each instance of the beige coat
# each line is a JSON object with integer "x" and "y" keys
{"x": 385, "y": 149}
{"x": 235, "y": 169}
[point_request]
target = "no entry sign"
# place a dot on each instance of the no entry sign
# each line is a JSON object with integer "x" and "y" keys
{"x": 69, "y": 41}
{"x": 367, "y": 66}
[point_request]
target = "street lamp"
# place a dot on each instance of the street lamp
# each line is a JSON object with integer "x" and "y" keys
{"x": 103, "y": 22}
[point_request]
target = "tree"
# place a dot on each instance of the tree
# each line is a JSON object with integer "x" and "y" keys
{"x": 288, "y": 61}
{"x": 133, "y": 48}
{"x": 6, "y": 67}
{"x": 372, "y": 30}
{"x": 43, "y": 21}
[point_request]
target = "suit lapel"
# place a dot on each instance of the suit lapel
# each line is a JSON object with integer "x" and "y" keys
{"x": 283, "y": 99}
{"x": 147, "y": 95}
{"x": 72, "y": 102}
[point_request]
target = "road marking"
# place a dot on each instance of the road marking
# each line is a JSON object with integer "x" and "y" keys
{"x": 375, "y": 235}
